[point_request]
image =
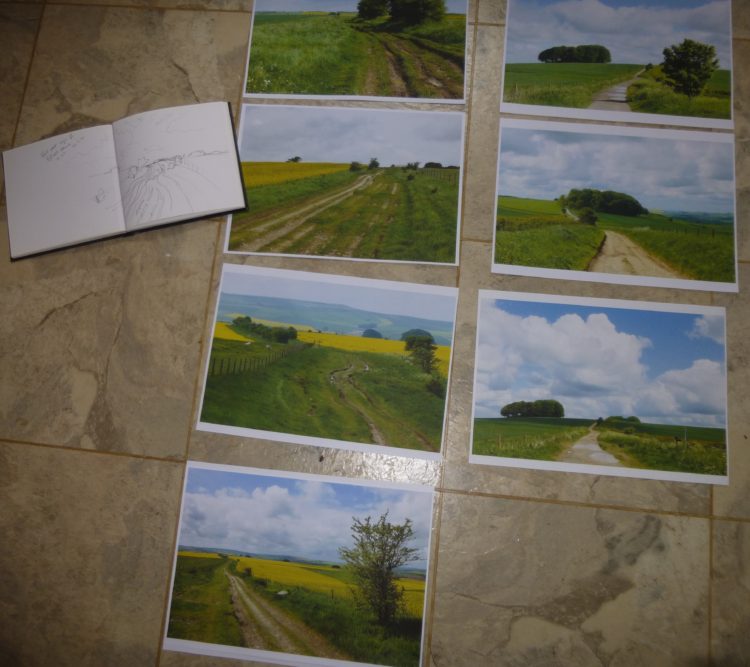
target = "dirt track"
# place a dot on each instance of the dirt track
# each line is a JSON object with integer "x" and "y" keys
{"x": 587, "y": 450}
{"x": 269, "y": 628}
{"x": 619, "y": 254}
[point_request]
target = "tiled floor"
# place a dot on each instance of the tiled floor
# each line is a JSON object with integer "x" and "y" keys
{"x": 100, "y": 354}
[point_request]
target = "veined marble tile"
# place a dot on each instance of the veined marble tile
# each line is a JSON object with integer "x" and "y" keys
{"x": 480, "y": 178}
{"x": 492, "y": 11}
{"x": 96, "y": 64}
{"x": 522, "y": 583}
{"x": 18, "y": 26}
{"x": 85, "y": 557}
{"x": 734, "y": 500}
{"x": 730, "y": 646}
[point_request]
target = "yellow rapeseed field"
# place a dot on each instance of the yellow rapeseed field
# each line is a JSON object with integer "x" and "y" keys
{"x": 306, "y": 576}
{"x": 197, "y": 554}
{"x": 362, "y": 344}
{"x": 270, "y": 173}
{"x": 222, "y": 331}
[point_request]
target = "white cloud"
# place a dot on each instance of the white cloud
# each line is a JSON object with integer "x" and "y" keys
{"x": 709, "y": 326}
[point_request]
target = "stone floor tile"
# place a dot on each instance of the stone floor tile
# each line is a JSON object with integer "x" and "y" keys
{"x": 86, "y": 556}
{"x": 741, "y": 86}
{"x": 531, "y": 583}
{"x": 492, "y": 11}
{"x": 730, "y": 645}
{"x": 18, "y": 25}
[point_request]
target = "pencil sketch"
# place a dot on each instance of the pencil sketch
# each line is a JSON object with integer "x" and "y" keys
{"x": 165, "y": 187}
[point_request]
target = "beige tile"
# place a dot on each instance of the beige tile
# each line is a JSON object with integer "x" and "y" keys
{"x": 492, "y": 11}
{"x": 740, "y": 19}
{"x": 730, "y": 645}
{"x": 742, "y": 204}
{"x": 18, "y": 26}
{"x": 741, "y": 86}
{"x": 101, "y": 343}
{"x": 480, "y": 176}
{"x": 734, "y": 500}
{"x": 530, "y": 584}
{"x": 86, "y": 556}
{"x": 95, "y": 64}
{"x": 245, "y": 6}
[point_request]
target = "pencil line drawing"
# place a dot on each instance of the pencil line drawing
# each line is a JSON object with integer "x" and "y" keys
{"x": 166, "y": 186}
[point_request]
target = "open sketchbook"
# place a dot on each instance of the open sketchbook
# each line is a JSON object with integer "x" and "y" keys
{"x": 142, "y": 171}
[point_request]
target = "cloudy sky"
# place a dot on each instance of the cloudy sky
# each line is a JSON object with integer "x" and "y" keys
{"x": 274, "y": 133}
{"x": 634, "y": 31}
{"x": 663, "y": 367}
{"x": 266, "y": 514}
{"x": 434, "y": 303}
{"x": 661, "y": 173}
{"x": 454, "y": 6}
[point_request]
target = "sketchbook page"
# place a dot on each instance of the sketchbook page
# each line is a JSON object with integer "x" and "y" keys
{"x": 177, "y": 163}
{"x": 62, "y": 190}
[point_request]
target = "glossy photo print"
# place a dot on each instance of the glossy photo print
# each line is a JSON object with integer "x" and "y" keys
{"x": 368, "y": 49}
{"x": 299, "y": 569}
{"x": 624, "y": 388}
{"x": 368, "y": 184}
{"x": 329, "y": 360}
{"x": 615, "y": 204}
{"x": 638, "y": 61}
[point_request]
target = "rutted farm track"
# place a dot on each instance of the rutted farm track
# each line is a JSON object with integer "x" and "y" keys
{"x": 267, "y": 627}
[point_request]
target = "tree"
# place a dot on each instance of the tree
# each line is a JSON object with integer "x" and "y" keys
{"x": 587, "y": 216}
{"x": 379, "y": 549}
{"x": 421, "y": 349}
{"x": 417, "y": 11}
{"x": 371, "y": 333}
{"x": 355, "y": 166}
{"x": 689, "y": 65}
{"x": 296, "y": 158}
{"x": 373, "y": 164}
{"x": 541, "y": 408}
{"x": 371, "y": 9}
{"x": 584, "y": 53}
{"x": 416, "y": 332}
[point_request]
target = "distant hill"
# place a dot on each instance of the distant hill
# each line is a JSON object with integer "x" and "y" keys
{"x": 705, "y": 218}
{"x": 329, "y": 317}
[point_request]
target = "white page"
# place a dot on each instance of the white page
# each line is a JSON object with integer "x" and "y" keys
{"x": 177, "y": 163}
{"x": 62, "y": 190}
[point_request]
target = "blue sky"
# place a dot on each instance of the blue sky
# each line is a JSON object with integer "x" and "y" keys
{"x": 635, "y": 31}
{"x": 371, "y": 297}
{"x": 275, "y": 133}
{"x": 662, "y": 173}
{"x": 311, "y": 519}
{"x": 663, "y": 367}
{"x": 455, "y": 6}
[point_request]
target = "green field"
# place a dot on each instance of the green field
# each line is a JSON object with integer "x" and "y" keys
{"x": 338, "y": 54}
{"x": 318, "y": 596}
{"x": 561, "y": 84}
{"x": 329, "y": 393}
{"x": 540, "y": 438}
{"x": 649, "y": 94}
{"x": 536, "y": 233}
{"x": 395, "y": 214}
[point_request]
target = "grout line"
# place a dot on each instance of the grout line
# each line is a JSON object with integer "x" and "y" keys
{"x": 710, "y": 582}
{"x": 81, "y": 450}
{"x": 149, "y": 8}
{"x": 428, "y": 620}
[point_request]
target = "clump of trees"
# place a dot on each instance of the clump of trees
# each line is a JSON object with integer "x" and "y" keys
{"x": 688, "y": 66}
{"x": 584, "y": 53}
{"x": 245, "y": 325}
{"x": 541, "y": 408}
{"x": 380, "y": 547}
{"x": 371, "y": 333}
{"x": 421, "y": 348}
{"x": 406, "y": 11}
{"x": 603, "y": 201}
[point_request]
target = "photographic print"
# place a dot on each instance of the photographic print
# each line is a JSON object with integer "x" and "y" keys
{"x": 600, "y": 386}
{"x": 628, "y": 60}
{"x": 368, "y": 48}
{"x": 328, "y": 360}
{"x": 299, "y": 569}
{"x": 618, "y": 205}
{"x": 355, "y": 183}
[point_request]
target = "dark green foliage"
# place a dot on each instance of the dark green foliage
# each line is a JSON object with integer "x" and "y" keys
{"x": 587, "y": 216}
{"x": 585, "y": 53}
{"x": 371, "y": 9}
{"x": 245, "y": 325}
{"x": 373, "y": 164}
{"x": 422, "y": 351}
{"x": 541, "y": 408}
{"x": 296, "y": 158}
{"x": 379, "y": 549}
{"x": 417, "y": 11}
{"x": 355, "y": 166}
{"x": 689, "y": 65}
{"x": 432, "y": 165}
{"x": 416, "y": 332}
{"x": 371, "y": 333}
{"x": 606, "y": 201}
